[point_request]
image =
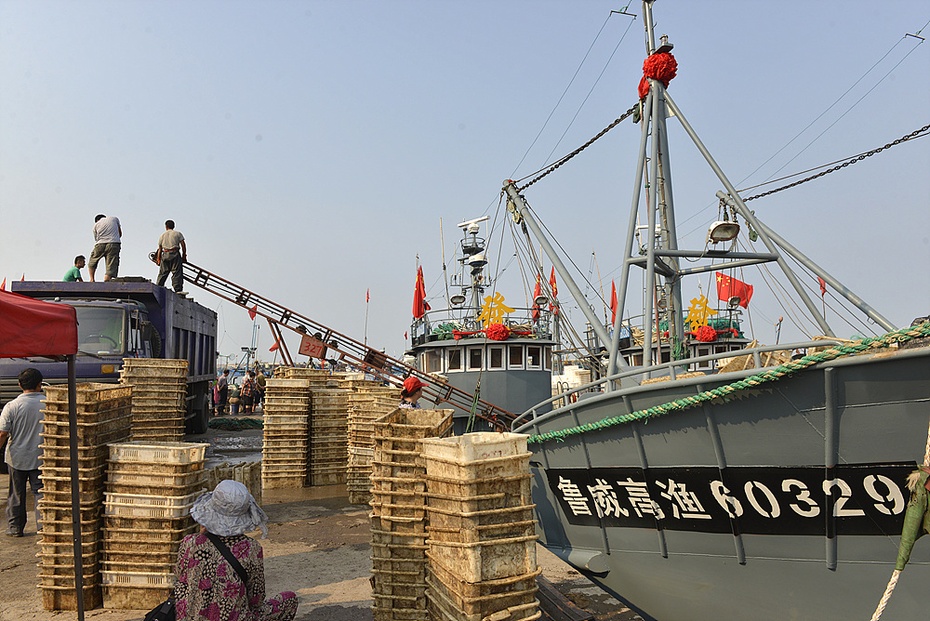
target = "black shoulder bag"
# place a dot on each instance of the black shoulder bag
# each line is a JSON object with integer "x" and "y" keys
{"x": 165, "y": 611}
{"x": 224, "y": 550}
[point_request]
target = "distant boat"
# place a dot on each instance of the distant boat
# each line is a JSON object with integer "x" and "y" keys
{"x": 704, "y": 477}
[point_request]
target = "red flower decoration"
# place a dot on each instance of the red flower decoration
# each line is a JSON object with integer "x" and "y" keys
{"x": 662, "y": 67}
{"x": 497, "y": 332}
{"x": 706, "y": 334}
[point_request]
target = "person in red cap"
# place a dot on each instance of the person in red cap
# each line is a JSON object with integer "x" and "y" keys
{"x": 411, "y": 393}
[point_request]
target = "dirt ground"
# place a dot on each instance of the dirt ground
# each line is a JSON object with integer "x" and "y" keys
{"x": 317, "y": 546}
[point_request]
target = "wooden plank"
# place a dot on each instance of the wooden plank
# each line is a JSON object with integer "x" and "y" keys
{"x": 555, "y": 606}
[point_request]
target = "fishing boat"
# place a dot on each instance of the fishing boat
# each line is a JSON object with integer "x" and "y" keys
{"x": 478, "y": 343}
{"x": 704, "y": 476}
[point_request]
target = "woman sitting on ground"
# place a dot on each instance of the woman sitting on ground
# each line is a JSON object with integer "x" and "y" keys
{"x": 209, "y": 587}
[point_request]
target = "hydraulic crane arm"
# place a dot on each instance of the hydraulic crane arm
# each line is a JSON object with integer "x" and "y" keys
{"x": 351, "y": 351}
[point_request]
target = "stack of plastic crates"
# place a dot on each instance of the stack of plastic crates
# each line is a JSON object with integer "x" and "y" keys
{"x": 398, "y": 519}
{"x": 150, "y": 489}
{"x": 482, "y": 532}
{"x": 318, "y": 378}
{"x": 104, "y": 414}
{"x": 328, "y": 437}
{"x": 159, "y": 399}
{"x": 286, "y": 415}
{"x": 366, "y": 404}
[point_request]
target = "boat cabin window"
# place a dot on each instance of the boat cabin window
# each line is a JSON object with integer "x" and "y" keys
{"x": 431, "y": 361}
{"x": 533, "y": 357}
{"x": 454, "y": 359}
{"x": 547, "y": 358}
{"x": 475, "y": 358}
{"x": 515, "y": 357}
{"x": 495, "y": 357}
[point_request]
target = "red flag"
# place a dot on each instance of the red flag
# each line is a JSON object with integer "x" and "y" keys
{"x": 3, "y": 285}
{"x": 23, "y": 279}
{"x": 537, "y": 291}
{"x": 823, "y": 286}
{"x": 253, "y": 311}
{"x": 728, "y": 287}
{"x": 420, "y": 305}
{"x": 613, "y": 302}
{"x": 405, "y": 336}
{"x": 555, "y": 291}
{"x": 275, "y": 346}
{"x": 367, "y": 296}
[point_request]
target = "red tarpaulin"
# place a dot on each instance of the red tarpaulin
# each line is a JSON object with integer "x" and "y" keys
{"x": 31, "y": 327}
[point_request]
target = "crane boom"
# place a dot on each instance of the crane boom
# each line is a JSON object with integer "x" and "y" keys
{"x": 351, "y": 351}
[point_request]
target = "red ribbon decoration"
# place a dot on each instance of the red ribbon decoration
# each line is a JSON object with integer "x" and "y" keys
{"x": 662, "y": 67}
{"x": 497, "y": 332}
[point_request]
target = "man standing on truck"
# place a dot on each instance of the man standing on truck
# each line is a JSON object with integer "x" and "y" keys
{"x": 107, "y": 236}
{"x": 21, "y": 424}
{"x": 172, "y": 253}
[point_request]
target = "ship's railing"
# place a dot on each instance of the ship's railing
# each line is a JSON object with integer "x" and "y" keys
{"x": 633, "y": 376}
{"x": 442, "y": 324}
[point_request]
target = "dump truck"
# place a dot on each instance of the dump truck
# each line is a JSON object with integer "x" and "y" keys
{"x": 129, "y": 317}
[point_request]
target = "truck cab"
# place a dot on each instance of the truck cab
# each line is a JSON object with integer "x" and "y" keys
{"x": 126, "y": 318}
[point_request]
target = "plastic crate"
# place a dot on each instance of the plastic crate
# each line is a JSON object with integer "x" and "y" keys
{"x": 144, "y": 469}
{"x": 64, "y": 596}
{"x": 163, "y": 452}
{"x": 486, "y": 560}
{"x": 145, "y": 526}
{"x": 496, "y": 467}
{"x": 476, "y": 446}
{"x": 414, "y": 423}
{"x": 137, "y": 578}
{"x": 134, "y": 597}
{"x": 87, "y": 392}
{"x": 505, "y": 607}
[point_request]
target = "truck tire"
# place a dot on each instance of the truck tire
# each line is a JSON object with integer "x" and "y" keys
{"x": 197, "y": 423}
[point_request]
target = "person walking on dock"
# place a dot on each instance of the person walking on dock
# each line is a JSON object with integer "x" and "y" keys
{"x": 21, "y": 424}
{"x": 107, "y": 236}
{"x": 171, "y": 254}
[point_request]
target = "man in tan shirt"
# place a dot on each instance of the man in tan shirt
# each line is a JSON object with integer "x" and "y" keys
{"x": 172, "y": 253}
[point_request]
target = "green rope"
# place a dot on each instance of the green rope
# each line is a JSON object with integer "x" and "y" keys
{"x": 723, "y": 392}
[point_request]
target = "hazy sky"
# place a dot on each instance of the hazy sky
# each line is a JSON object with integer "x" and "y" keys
{"x": 308, "y": 150}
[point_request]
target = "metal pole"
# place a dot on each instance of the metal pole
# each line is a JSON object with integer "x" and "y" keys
{"x": 839, "y": 287}
{"x": 75, "y": 490}
{"x": 616, "y": 360}
{"x": 744, "y": 211}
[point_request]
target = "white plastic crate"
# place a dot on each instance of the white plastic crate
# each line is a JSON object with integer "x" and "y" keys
{"x": 161, "y": 452}
{"x": 139, "y": 579}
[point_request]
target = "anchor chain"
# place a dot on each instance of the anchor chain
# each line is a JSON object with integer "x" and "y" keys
{"x": 914, "y": 134}
{"x": 565, "y": 158}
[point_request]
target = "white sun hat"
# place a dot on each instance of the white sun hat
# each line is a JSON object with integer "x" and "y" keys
{"x": 229, "y": 510}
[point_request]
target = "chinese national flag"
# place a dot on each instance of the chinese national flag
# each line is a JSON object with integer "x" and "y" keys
{"x": 253, "y": 312}
{"x": 3, "y": 285}
{"x": 613, "y": 302}
{"x": 823, "y": 286}
{"x": 537, "y": 291}
{"x": 555, "y": 291}
{"x": 275, "y": 347}
{"x": 420, "y": 305}
{"x": 728, "y": 287}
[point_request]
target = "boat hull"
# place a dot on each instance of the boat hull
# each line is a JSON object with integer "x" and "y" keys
{"x": 785, "y": 502}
